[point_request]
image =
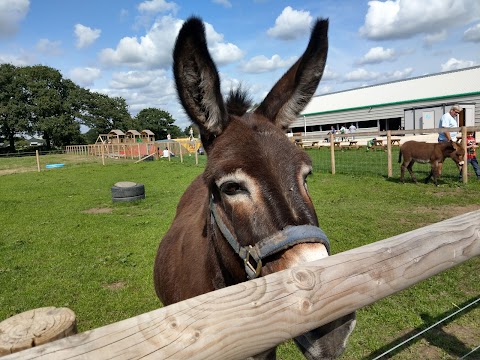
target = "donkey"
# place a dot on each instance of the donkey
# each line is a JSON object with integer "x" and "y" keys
{"x": 433, "y": 153}
{"x": 249, "y": 214}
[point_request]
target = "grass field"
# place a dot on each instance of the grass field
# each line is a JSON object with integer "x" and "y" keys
{"x": 64, "y": 243}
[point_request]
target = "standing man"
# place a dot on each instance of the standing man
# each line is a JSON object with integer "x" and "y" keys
{"x": 449, "y": 120}
{"x": 352, "y": 130}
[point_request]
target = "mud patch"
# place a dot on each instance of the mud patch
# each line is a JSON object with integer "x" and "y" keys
{"x": 98, "y": 211}
{"x": 115, "y": 286}
{"x": 447, "y": 211}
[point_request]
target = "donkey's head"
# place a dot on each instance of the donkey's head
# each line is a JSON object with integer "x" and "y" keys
{"x": 458, "y": 153}
{"x": 256, "y": 176}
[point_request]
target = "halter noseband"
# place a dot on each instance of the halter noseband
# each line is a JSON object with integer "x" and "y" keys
{"x": 288, "y": 237}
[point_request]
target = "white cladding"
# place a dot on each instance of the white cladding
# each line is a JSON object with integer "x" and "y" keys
{"x": 439, "y": 85}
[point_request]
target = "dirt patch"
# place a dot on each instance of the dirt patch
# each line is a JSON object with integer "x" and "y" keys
{"x": 16, "y": 171}
{"x": 466, "y": 334}
{"x": 447, "y": 212}
{"x": 115, "y": 286}
{"x": 98, "y": 211}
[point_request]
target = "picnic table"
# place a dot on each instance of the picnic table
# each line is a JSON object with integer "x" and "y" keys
{"x": 352, "y": 144}
{"x": 378, "y": 144}
{"x": 395, "y": 142}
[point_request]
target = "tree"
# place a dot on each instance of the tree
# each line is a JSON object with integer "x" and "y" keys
{"x": 52, "y": 105}
{"x": 103, "y": 113}
{"x": 14, "y": 112}
{"x": 158, "y": 121}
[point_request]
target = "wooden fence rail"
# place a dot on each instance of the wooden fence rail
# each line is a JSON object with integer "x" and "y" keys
{"x": 248, "y": 318}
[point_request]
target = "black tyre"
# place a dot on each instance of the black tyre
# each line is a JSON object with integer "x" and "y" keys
{"x": 128, "y": 191}
{"x": 131, "y": 198}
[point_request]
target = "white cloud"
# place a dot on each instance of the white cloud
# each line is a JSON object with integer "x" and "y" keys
{"x": 225, "y": 53}
{"x": 24, "y": 59}
{"x": 222, "y": 53}
{"x": 400, "y": 19}
{"x": 85, "y": 35}
{"x": 329, "y": 74}
{"x": 430, "y": 39}
{"x": 361, "y": 75}
{"x": 291, "y": 24}
{"x": 377, "y": 55}
{"x": 135, "y": 79}
{"x": 157, "y": 6}
{"x": 144, "y": 89}
{"x": 261, "y": 64}
{"x": 11, "y": 13}
{"x": 472, "y": 34}
{"x": 154, "y": 50}
{"x": 323, "y": 89}
{"x": 399, "y": 74}
{"x": 454, "y": 64}
{"x": 48, "y": 47}
{"x": 84, "y": 76}
{"x": 224, "y": 3}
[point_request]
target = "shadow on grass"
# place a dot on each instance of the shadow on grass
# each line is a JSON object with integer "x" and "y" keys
{"x": 436, "y": 336}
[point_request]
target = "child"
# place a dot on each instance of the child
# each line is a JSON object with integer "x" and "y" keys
{"x": 370, "y": 143}
{"x": 472, "y": 155}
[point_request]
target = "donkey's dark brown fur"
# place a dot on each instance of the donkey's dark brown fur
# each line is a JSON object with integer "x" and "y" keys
{"x": 433, "y": 153}
{"x": 255, "y": 179}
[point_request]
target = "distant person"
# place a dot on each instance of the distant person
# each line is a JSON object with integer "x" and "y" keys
{"x": 449, "y": 120}
{"x": 167, "y": 153}
{"x": 343, "y": 132}
{"x": 471, "y": 155}
{"x": 352, "y": 130}
{"x": 191, "y": 134}
{"x": 332, "y": 131}
{"x": 370, "y": 143}
{"x": 169, "y": 137}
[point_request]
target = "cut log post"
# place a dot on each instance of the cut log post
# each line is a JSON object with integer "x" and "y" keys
{"x": 248, "y": 318}
{"x": 35, "y": 327}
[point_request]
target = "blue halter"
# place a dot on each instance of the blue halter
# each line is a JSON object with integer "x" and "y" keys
{"x": 252, "y": 255}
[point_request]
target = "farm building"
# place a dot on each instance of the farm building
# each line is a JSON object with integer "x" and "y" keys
{"x": 411, "y": 104}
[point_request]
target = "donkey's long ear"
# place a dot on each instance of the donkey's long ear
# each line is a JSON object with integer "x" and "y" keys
{"x": 294, "y": 90}
{"x": 197, "y": 80}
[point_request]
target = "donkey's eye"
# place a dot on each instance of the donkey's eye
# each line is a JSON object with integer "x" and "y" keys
{"x": 232, "y": 188}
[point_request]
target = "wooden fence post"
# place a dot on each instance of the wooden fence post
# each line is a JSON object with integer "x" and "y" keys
{"x": 103, "y": 154}
{"x": 465, "y": 163}
{"x": 389, "y": 154}
{"x": 38, "y": 160}
{"x": 196, "y": 152}
{"x": 332, "y": 152}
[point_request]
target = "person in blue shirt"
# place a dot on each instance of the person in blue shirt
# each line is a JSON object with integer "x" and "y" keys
{"x": 449, "y": 120}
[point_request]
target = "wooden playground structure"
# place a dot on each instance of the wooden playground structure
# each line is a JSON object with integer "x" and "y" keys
{"x": 135, "y": 145}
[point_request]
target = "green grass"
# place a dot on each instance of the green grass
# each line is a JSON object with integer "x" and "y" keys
{"x": 64, "y": 243}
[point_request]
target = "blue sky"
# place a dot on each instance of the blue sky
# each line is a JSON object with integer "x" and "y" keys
{"x": 123, "y": 47}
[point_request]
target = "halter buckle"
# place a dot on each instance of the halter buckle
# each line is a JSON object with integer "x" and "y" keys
{"x": 252, "y": 269}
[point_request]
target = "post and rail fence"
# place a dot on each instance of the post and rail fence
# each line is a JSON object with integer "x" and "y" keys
{"x": 253, "y": 316}
{"x": 133, "y": 151}
{"x": 384, "y": 140}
